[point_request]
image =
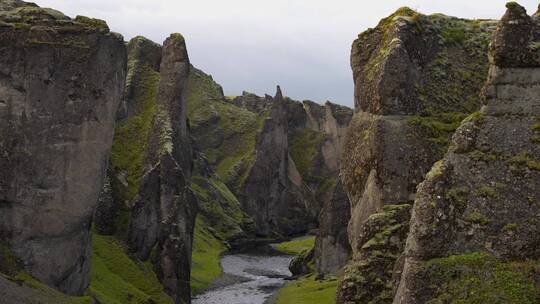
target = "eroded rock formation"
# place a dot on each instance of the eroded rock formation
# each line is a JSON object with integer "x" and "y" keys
{"x": 163, "y": 214}
{"x": 477, "y": 214}
{"x": 61, "y": 81}
{"x": 416, "y": 77}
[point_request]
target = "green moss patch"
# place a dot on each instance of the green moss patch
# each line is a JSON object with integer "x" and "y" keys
{"x": 308, "y": 290}
{"x": 220, "y": 208}
{"x": 440, "y": 127}
{"x": 480, "y": 278}
{"x": 46, "y": 293}
{"x": 522, "y": 160}
{"x": 296, "y": 246}
{"x": 131, "y": 137}
{"x": 205, "y": 258}
{"x": 303, "y": 145}
{"x": 116, "y": 278}
{"x": 225, "y": 132}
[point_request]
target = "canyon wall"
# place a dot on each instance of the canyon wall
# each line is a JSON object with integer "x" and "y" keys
{"x": 477, "y": 214}
{"x": 416, "y": 77}
{"x": 61, "y": 81}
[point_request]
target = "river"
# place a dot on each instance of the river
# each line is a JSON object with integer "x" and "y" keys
{"x": 248, "y": 278}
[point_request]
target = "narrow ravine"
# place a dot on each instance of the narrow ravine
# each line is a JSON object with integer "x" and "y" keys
{"x": 248, "y": 278}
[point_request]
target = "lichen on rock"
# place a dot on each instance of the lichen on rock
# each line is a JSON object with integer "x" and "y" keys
{"x": 484, "y": 200}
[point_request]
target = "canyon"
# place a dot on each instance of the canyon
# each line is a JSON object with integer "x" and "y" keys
{"x": 127, "y": 175}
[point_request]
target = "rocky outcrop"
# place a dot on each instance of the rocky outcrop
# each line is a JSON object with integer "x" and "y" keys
{"x": 272, "y": 193}
{"x": 61, "y": 81}
{"x": 477, "y": 214}
{"x": 369, "y": 276}
{"x": 416, "y": 77}
{"x": 163, "y": 214}
{"x": 332, "y": 248}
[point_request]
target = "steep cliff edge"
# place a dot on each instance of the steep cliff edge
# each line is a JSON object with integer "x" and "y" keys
{"x": 477, "y": 214}
{"x": 416, "y": 77}
{"x": 61, "y": 81}
{"x": 163, "y": 215}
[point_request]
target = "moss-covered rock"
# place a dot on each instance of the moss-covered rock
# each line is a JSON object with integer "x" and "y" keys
{"x": 477, "y": 278}
{"x": 484, "y": 198}
{"x": 370, "y": 277}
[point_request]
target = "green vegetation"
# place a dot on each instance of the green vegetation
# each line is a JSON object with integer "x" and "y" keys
{"x": 116, "y": 278}
{"x": 478, "y": 218}
{"x": 219, "y": 206}
{"x": 131, "y": 137}
{"x": 480, "y": 278}
{"x": 510, "y": 227}
{"x": 46, "y": 293}
{"x": 296, "y": 246}
{"x": 454, "y": 35}
{"x": 439, "y": 126}
{"x": 227, "y": 133}
{"x": 487, "y": 191}
{"x": 524, "y": 159}
{"x": 8, "y": 263}
{"x": 205, "y": 263}
{"x": 536, "y": 126}
{"x": 308, "y": 290}
{"x": 478, "y": 155}
{"x": 304, "y": 144}
{"x": 92, "y": 22}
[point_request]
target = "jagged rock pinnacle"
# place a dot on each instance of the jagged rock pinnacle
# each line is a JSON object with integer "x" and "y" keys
{"x": 279, "y": 95}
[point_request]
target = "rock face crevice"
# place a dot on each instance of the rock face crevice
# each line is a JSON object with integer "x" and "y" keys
{"x": 482, "y": 197}
{"x": 61, "y": 81}
{"x": 163, "y": 214}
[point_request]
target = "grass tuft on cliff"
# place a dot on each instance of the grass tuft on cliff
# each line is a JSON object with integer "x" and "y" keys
{"x": 296, "y": 246}
{"x": 118, "y": 279}
{"x": 308, "y": 290}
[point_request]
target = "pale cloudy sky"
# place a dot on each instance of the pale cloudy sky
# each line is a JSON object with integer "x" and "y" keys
{"x": 252, "y": 45}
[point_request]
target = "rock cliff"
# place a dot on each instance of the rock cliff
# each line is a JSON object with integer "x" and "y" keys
{"x": 61, "y": 81}
{"x": 477, "y": 214}
{"x": 416, "y": 77}
{"x": 163, "y": 214}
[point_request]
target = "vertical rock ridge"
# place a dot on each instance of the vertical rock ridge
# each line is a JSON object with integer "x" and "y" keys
{"x": 163, "y": 214}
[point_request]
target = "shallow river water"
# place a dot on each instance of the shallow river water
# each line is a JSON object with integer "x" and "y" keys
{"x": 247, "y": 279}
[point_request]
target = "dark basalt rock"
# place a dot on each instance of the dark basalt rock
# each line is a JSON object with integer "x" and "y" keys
{"x": 272, "y": 193}
{"x": 163, "y": 215}
{"x": 61, "y": 81}
{"x": 107, "y": 210}
{"x": 332, "y": 248}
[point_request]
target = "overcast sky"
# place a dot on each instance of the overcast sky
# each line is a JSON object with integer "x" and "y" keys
{"x": 253, "y": 45}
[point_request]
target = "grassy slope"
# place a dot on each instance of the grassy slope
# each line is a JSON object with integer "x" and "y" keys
{"x": 212, "y": 117}
{"x": 116, "y": 278}
{"x": 297, "y": 246}
{"x": 207, "y": 250}
{"x": 218, "y": 205}
{"x": 307, "y": 290}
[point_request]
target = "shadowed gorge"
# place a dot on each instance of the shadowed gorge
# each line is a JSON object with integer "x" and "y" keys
{"x": 128, "y": 176}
